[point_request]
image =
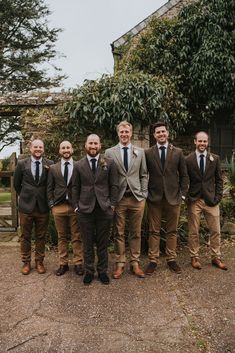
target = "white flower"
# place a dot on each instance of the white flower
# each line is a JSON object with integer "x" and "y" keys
{"x": 135, "y": 152}
{"x": 211, "y": 158}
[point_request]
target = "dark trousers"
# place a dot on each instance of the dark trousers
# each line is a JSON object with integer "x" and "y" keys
{"x": 95, "y": 228}
{"x": 40, "y": 222}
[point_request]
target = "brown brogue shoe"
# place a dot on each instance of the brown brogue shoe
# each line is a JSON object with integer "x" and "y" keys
{"x": 40, "y": 267}
{"x": 218, "y": 263}
{"x": 26, "y": 268}
{"x": 196, "y": 264}
{"x": 118, "y": 272}
{"x": 150, "y": 268}
{"x": 136, "y": 270}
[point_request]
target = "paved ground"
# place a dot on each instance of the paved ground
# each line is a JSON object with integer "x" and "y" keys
{"x": 166, "y": 313}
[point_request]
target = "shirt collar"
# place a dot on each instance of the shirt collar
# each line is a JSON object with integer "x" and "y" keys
{"x": 90, "y": 157}
{"x": 121, "y": 146}
{"x": 70, "y": 160}
{"x": 165, "y": 145}
{"x": 36, "y": 160}
{"x": 199, "y": 153}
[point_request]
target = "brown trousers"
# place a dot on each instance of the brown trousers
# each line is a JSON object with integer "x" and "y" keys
{"x": 134, "y": 210}
{"x": 171, "y": 215}
{"x": 65, "y": 220}
{"x": 212, "y": 217}
{"x": 40, "y": 222}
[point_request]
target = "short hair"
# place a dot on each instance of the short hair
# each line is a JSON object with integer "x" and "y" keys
{"x": 124, "y": 123}
{"x": 199, "y": 132}
{"x": 159, "y": 124}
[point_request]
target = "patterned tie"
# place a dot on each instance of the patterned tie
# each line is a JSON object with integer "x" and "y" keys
{"x": 66, "y": 172}
{"x": 93, "y": 165}
{"x": 37, "y": 172}
{"x": 202, "y": 163}
{"x": 125, "y": 157}
{"x": 163, "y": 155}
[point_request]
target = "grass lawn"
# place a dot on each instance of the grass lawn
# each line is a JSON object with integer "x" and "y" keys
{"x": 5, "y": 197}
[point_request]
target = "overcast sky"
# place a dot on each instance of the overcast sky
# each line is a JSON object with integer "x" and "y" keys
{"x": 89, "y": 27}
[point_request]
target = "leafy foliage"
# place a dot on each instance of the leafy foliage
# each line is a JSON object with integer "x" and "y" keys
{"x": 196, "y": 50}
{"x": 26, "y": 42}
{"x": 139, "y": 98}
{"x": 9, "y": 130}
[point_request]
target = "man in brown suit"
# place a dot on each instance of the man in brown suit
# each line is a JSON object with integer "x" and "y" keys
{"x": 59, "y": 193}
{"x": 204, "y": 195}
{"x": 168, "y": 184}
{"x": 94, "y": 194}
{"x": 30, "y": 180}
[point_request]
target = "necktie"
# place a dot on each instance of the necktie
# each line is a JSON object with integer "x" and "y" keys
{"x": 125, "y": 157}
{"x": 66, "y": 172}
{"x": 202, "y": 163}
{"x": 93, "y": 165}
{"x": 163, "y": 155}
{"x": 37, "y": 172}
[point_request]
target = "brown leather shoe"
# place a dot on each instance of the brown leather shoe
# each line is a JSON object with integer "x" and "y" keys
{"x": 26, "y": 268}
{"x": 118, "y": 272}
{"x": 195, "y": 263}
{"x": 136, "y": 270}
{"x": 150, "y": 268}
{"x": 218, "y": 263}
{"x": 40, "y": 267}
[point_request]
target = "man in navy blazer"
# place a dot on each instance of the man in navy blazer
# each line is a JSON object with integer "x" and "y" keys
{"x": 204, "y": 194}
{"x": 94, "y": 195}
{"x": 30, "y": 181}
{"x": 59, "y": 193}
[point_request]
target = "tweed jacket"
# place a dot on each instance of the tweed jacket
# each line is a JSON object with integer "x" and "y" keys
{"x": 57, "y": 190}
{"x": 30, "y": 193}
{"x": 136, "y": 177}
{"x": 88, "y": 188}
{"x": 170, "y": 181}
{"x": 208, "y": 186}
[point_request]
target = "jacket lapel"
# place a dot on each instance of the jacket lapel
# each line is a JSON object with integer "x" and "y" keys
{"x": 118, "y": 157}
{"x": 156, "y": 156}
{"x": 28, "y": 168}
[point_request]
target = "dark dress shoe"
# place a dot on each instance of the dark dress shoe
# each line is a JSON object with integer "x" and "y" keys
{"x": 104, "y": 278}
{"x": 150, "y": 268}
{"x": 195, "y": 263}
{"x": 174, "y": 267}
{"x": 62, "y": 269}
{"x": 26, "y": 268}
{"x": 218, "y": 263}
{"x": 40, "y": 267}
{"x": 78, "y": 269}
{"x": 88, "y": 278}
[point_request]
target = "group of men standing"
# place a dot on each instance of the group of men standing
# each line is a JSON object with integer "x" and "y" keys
{"x": 99, "y": 190}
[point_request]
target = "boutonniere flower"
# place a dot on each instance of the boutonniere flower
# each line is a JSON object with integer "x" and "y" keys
{"x": 103, "y": 164}
{"x": 46, "y": 167}
{"x": 135, "y": 152}
{"x": 211, "y": 158}
{"x": 171, "y": 147}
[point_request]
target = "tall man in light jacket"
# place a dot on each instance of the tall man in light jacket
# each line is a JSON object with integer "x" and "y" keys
{"x": 133, "y": 184}
{"x": 30, "y": 182}
{"x": 59, "y": 193}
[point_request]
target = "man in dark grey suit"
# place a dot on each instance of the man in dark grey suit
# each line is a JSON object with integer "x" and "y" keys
{"x": 204, "y": 195}
{"x": 94, "y": 194}
{"x": 168, "y": 185}
{"x": 30, "y": 181}
{"x": 59, "y": 193}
